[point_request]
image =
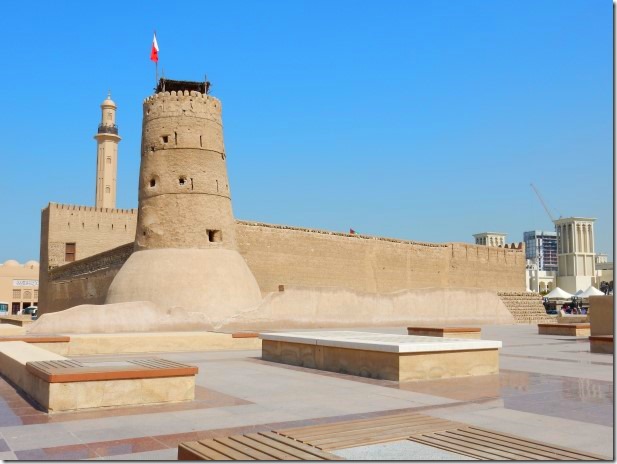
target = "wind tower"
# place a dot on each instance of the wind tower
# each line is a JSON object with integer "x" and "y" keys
{"x": 107, "y": 140}
{"x": 185, "y": 243}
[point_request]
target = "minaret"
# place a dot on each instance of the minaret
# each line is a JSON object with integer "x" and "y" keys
{"x": 107, "y": 155}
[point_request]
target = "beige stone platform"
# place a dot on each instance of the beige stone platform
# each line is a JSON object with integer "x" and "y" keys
{"x": 383, "y": 356}
{"x": 446, "y": 332}
{"x": 20, "y": 321}
{"x": 601, "y": 344}
{"x": 58, "y": 384}
{"x": 573, "y": 330}
{"x": 151, "y": 342}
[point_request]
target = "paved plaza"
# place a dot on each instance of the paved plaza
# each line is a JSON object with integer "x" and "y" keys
{"x": 549, "y": 389}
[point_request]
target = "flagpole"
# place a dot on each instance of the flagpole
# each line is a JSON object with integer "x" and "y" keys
{"x": 156, "y": 67}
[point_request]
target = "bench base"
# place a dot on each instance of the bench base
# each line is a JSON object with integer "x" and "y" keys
{"x": 399, "y": 367}
{"x": 572, "y": 330}
{"x": 446, "y": 332}
{"x": 601, "y": 344}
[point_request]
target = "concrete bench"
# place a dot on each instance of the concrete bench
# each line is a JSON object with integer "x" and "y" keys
{"x": 573, "y": 330}
{"x": 447, "y": 332}
{"x": 383, "y": 356}
{"x": 601, "y": 344}
{"x": 58, "y": 383}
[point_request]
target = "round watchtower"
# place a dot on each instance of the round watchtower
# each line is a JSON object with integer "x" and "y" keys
{"x": 184, "y": 199}
{"x": 185, "y": 248}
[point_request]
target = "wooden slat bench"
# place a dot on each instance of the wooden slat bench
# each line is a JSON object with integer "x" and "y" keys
{"x": 264, "y": 446}
{"x": 244, "y": 335}
{"x": 71, "y": 370}
{"x": 58, "y": 383}
{"x": 447, "y": 332}
{"x": 486, "y": 444}
{"x": 440, "y": 433}
{"x": 573, "y": 330}
{"x": 601, "y": 344}
{"x": 20, "y": 321}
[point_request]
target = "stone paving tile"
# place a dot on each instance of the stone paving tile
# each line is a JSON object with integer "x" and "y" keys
{"x": 7, "y": 456}
{"x": 168, "y": 454}
{"x": 58, "y": 453}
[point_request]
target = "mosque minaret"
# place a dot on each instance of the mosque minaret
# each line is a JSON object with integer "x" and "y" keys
{"x": 107, "y": 140}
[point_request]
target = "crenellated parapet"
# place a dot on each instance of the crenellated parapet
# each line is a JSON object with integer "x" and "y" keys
{"x": 91, "y": 209}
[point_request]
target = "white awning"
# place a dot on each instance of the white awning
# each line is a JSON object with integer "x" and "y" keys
{"x": 558, "y": 294}
{"x": 591, "y": 291}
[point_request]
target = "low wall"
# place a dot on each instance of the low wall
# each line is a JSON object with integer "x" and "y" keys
{"x": 83, "y": 282}
{"x": 314, "y": 307}
{"x": 601, "y": 315}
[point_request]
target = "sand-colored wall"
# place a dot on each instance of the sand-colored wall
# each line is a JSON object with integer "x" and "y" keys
{"x": 282, "y": 255}
{"x": 83, "y": 282}
{"x": 93, "y": 230}
{"x": 601, "y": 315}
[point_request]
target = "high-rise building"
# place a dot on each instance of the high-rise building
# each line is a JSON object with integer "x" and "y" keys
{"x": 541, "y": 249}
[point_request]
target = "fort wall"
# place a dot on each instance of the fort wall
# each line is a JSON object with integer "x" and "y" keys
{"x": 283, "y": 255}
{"x": 92, "y": 230}
{"x": 292, "y": 256}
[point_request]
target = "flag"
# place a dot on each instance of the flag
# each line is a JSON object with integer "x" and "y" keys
{"x": 154, "y": 54}
{"x": 352, "y": 232}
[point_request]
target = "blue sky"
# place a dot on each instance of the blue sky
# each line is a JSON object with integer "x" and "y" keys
{"x": 423, "y": 120}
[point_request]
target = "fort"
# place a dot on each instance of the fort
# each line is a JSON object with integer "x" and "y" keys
{"x": 182, "y": 246}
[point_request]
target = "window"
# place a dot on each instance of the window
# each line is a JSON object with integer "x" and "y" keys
{"x": 108, "y": 160}
{"x": 69, "y": 252}
{"x": 215, "y": 236}
{"x": 107, "y": 190}
{"x": 27, "y": 294}
{"x": 17, "y": 294}
{"x": 165, "y": 139}
{"x": 36, "y": 294}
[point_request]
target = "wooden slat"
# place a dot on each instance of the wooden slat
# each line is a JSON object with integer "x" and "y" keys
{"x": 229, "y": 451}
{"x": 454, "y": 448}
{"x": 264, "y": 449}
{"x": 283, "y": 447}
{"x": 343, "y": 431}
{"x": 492, "y": 447}
{"x": 319, "y": 454}
{"x": 197, "y": 451}
{"x": 540, "y": 445}
{"x": 534, "y": 451}
{"x": 253, "y": 453}
{"x": 352, "y": 423}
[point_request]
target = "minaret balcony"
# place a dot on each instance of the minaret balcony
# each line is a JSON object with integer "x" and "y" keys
{"x": 108, "y": 129}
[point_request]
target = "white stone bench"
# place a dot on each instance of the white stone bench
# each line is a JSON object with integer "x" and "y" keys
{"x": 383, "y": 356}
{"x": 58, "y": 383}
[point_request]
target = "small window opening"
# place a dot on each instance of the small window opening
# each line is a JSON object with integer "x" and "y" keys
{"x": 191, "y": 183}
{"x": 165, "y": 139}
{"x": 152, "y": 148}
{"x": 124, "y": 226}
{"x": 83, "y": 225}
{"x": 152, "y": 182}
{"x": 217, "y": 185}
{"x": 200, "y": 142}
{"x": 98, "y": 226}
{"x": 182, "y": 180}
{"x": 215, "y": 235}
{"x": 176, "y": 138}
{"x": 112, "y": 227}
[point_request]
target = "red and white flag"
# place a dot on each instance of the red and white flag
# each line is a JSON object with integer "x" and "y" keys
{"x": 154, "y": 54}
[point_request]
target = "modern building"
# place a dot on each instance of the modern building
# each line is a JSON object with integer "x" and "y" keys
{"x": 541, "y": 249}
{"x": 576, "y": 253}
{"x": 490, "y": 239}
{"x": 19, "y": 285}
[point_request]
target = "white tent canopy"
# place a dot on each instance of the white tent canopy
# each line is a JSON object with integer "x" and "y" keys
{"x": 591, "y": 291}
{"x": 579, "y": 292}
{"x": 558, "y": 294}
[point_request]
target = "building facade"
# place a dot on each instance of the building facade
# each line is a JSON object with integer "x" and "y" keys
{"x": 107, "y": 140}
{"x": 19, "y": 285}
{"x": 541, "y": 248}
{"x": 490, "y": 239}
{"x": 576, "y": 253}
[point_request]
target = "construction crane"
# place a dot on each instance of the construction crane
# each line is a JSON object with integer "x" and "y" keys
{"x": 543, "y": 203}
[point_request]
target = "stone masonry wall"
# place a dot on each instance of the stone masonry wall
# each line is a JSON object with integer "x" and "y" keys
{"x": 93, "y": 230}
{"x": 283, "y": 255}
